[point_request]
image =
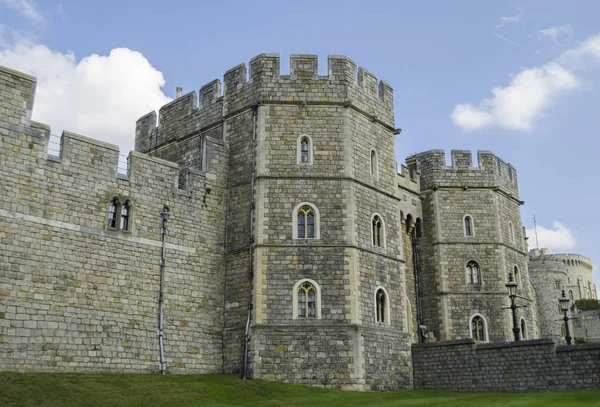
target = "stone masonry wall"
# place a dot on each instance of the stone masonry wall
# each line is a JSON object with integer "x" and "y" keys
{"x": 77, "y": 296}
{"x": 527, "y": 366}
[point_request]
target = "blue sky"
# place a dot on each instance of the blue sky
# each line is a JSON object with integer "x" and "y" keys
{"x": 518, "y": 78}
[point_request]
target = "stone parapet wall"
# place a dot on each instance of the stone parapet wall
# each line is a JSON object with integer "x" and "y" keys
{"x": 527, "y": 366}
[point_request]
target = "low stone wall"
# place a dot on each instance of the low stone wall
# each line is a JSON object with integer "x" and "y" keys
{"x": 525, "y": 366}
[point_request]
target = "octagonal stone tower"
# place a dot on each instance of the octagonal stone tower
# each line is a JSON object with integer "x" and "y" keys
{"x": 313, "y": 254}
{"x": 472, "y": 239}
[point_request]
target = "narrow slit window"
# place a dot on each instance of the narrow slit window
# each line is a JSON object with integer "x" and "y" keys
{"x": 125, "y": 216}
{"x": 373, "y": 163}
{"x": 304, "y": 152}
{"x": 468, "y": 226}
{"x": 112, "y": 213}
{"x": 381, "y": 305}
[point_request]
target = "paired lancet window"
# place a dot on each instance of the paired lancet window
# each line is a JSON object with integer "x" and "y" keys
{"x": 377, "y": 231}
{"x": 304, "y": 148}
{"x": 478, "y": 328}
{"x": 473, "y": 273}
{"x": 307, "y": 299}
{"x": 305, "y": 221}
{"x": 119, "y": 214}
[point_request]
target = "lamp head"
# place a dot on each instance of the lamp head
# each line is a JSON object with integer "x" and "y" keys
{"x": 511, "y": 285}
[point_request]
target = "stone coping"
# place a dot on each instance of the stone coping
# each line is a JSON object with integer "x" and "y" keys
{"x": 88, "y": 140}
{"x": 17, "y": 73}
{"x": 486, "y": 345}
{"x": 578, "y": 347}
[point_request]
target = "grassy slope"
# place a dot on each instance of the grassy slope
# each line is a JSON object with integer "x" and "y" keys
{"x": 64, "y": 389}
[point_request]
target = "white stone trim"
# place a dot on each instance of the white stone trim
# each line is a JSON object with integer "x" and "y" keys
{"x": 383, "y": 241}
{"x": 295, "y": 221}
{"x": 299, "y": 149}
{"x": 464, "y": 227}
{"x": 387, "y": 319}
{"x": 485, "y": 326}
{"x": 317, "y": 299}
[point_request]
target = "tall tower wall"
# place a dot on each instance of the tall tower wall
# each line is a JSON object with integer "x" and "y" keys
{"x": 489, "y": 196}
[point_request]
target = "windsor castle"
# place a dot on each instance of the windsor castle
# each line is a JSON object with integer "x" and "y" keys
{"x": 295, "y": 248}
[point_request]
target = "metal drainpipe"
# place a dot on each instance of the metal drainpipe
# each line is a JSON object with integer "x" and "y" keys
{"x": 162, "y": 367}
{"x": 417, "y": 274}
{"x": 251, "y": 245}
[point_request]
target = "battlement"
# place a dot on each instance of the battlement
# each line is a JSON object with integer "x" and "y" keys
{"x": 17, "y": 94}
{"x": 491, "y": 171}
{"x": 345, "y": 84}
{"x": 567, "y": 259}
{"x": 409, "y": 178}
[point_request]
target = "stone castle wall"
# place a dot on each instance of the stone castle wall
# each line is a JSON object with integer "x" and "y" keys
{"x": 528, "y": 366}
{"x": 78, "y": 296}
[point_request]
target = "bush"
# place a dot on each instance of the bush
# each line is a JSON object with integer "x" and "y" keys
{"x": 580, "y": 341}
{"x": 587, "y": 305}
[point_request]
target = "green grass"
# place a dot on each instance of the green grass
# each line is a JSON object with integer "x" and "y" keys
{"x": 69, "y": 389}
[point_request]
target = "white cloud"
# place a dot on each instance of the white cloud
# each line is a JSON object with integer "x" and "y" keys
{"x": 510, "y": 19}
{"x": 557, "y": 31}
{"x": 530, "y": 92}
{"x": 557, "y": 238}
{"x": 25, "y": 7}
{"x": 99, "y": 96}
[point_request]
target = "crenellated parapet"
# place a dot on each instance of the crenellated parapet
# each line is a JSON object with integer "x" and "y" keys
{"x": 344, "y": 85}
{"x": 492, "y": 171}
{"x": 408, "y": 179}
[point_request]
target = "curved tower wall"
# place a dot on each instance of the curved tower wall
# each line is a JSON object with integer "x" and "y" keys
{"x": 548, "y": 276}
{"x": 489, "y": 195}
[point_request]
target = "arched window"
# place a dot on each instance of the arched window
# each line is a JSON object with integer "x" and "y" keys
{"x": 563, "y": 330}
{"x": 523, "y": 329}
{"x": 377, "y": 231}
{"x": 382, "y": 306}
{"x": 473, "y": 273}
{"x": 511, "y": 232}
{"x": 571, "y": 295}
{"x": 305, "y": 221}
{"x": 468, "y": 223}
{"x": 306, "y": 299}
{"x": 125, "y": 216}
{"x": 304, "y": 148}
{"x": 113, "y": 207}
{"x": 517, "y": 275}
{"x": 374, "y": 163}
{"x": 478, "y": 328}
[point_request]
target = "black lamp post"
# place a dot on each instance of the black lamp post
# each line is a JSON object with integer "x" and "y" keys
{"x": 511, "y": 285}
{"x": 564, "y": 305}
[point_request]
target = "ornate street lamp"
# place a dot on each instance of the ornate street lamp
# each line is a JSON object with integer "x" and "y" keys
{"x": 564, "y": 305}
{"x": 511, "y": 285}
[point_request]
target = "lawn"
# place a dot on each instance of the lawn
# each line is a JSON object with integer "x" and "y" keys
{"x": 67, "y": 389}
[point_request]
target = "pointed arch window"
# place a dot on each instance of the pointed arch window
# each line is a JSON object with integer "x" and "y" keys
{"x": 119, "y": 215}
{"x": 468, "y": 224}
{"x": 517, "y": 275}
{"x": 307, "y": 299}
{"x": 473, "y": 273}
{"x": 478, "y": 328}
{"x": 511, "y": 232}
{"x": 306, "y": 222}
{"x": 377, "y": 231}
{"x": 304, "y": 148}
